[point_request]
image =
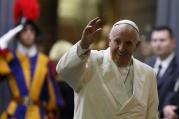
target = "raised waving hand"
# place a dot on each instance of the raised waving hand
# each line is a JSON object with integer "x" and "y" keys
{"x": 90, "y": 32}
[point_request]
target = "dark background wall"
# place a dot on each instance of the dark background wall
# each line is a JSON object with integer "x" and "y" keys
{"x": 167, "y": 14}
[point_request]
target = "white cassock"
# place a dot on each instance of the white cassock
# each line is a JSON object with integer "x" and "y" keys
{"x": 101, "y": 93}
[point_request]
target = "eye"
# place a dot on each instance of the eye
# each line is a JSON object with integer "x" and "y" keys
{"x": 162, "y": 40}
{"x": 117, "y": 41}
{"x": 128, "y": 43}
{"x": 154, "y": 40}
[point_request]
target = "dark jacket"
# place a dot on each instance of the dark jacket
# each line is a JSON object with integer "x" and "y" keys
{"x": 175, "y": 100}
{"x": 166, "y": 83}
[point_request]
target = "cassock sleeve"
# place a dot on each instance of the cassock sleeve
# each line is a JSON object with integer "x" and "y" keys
{"x": 71, "y": 66}
{"x": 152, "y": 110}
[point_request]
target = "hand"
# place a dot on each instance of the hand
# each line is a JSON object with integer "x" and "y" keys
{"x": 90, "y": 32}
{"x": 169, "y": 112}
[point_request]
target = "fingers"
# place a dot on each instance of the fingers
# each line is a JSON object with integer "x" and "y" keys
{"x": 169, "y": 111}
{"x": 173, "y": 107}
{"x": 90, "y": 32}
{"x": 93, "y": 21}
{"x": 97, "y": 31}
{"x": 93, "y": 26}
{"x": 97, "y": 24}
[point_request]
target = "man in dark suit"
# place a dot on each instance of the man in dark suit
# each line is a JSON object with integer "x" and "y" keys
{"x": 171, "y": 110}
{"x": 164, "y": 63}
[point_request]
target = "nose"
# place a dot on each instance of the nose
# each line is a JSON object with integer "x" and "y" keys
{"x": 121, "y": 47}
{"x": 158, "y": 43}
{"x": 29, "y": 31}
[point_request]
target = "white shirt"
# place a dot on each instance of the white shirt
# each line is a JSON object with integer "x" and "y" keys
{"x": 124, "y": 72}
{"x": 164, "y": 63}
{"x": 30, "y": 52}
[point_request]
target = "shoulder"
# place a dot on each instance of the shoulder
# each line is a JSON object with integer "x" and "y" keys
{"x": 146, "y": 71}
{"x": 97, "y": 53}
{"x": 174, "y": 61}
{"x": 43, "y": 58}
{"x": 46, "y": 60}
{"x": 143, "y": 67}
{"x": 150, "y": 61}
{"x": 6, "y": 54}
{"x": 98, "y": 56}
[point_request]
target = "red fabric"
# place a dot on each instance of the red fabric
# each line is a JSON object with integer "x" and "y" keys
{"x": 26, "y": 8}
{"x": 52, "y": 67}
{"x": 4, "y": 52}
{"x": 52, "y": 118}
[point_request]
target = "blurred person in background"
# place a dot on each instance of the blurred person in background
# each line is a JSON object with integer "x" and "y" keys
{"x": 144, "y": 51}
{"x": 164, "y": 63}
{"x": 57, "y": 51}
{"x": 31, "y": 75}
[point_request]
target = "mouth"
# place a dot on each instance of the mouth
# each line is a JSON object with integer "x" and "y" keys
{"x": 122, "y": 53}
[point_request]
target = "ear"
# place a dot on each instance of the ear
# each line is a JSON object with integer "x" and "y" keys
{"x": 174, "y": 42}
{"x": 138, "y": 44}
{"x": 109, "y": 41}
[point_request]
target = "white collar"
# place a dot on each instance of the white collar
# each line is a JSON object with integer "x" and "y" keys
{"x": 30, "y": 52}
{"x": 165, "y": 63}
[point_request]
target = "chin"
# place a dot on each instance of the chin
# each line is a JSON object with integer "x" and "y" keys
{"x": 123, "y": 58}
{"x": 28, "y": 45}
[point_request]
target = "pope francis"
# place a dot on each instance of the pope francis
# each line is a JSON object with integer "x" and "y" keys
{"x": 110, "y": 84}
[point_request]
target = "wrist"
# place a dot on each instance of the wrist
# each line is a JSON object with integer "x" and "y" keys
{"x": 84, "y": 45}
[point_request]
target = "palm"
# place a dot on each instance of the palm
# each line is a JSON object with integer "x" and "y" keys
{"x": 90, "y": 32}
